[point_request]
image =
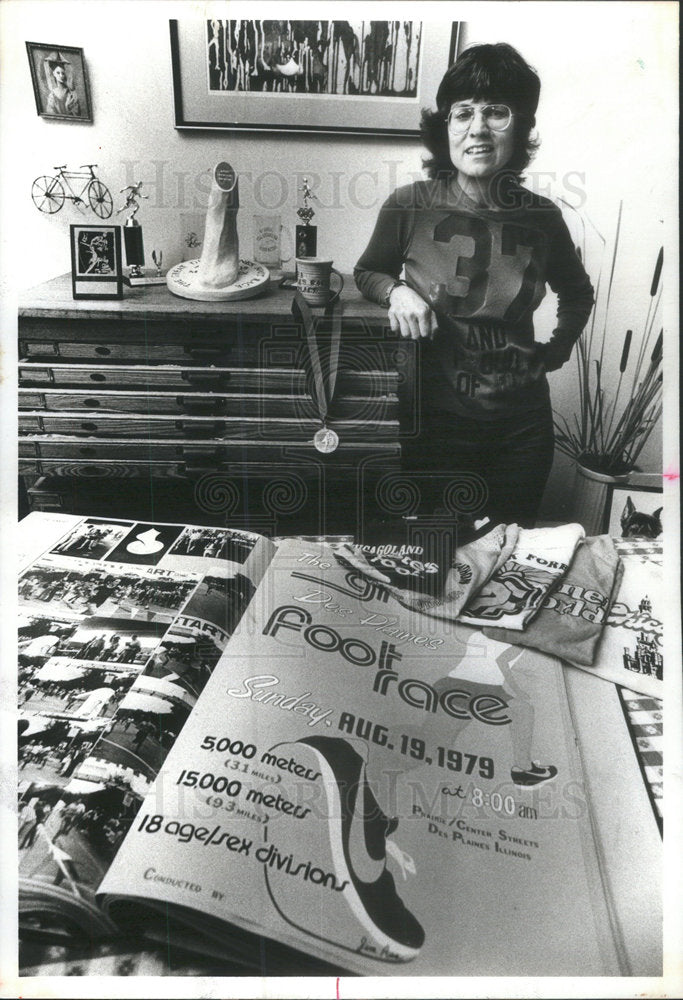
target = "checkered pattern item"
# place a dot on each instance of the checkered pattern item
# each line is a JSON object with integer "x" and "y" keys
{"x": 645, "y": 717}
{"x": 644, "y": 549}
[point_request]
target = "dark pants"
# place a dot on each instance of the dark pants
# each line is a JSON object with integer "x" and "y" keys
{"x": 513, "y": 457}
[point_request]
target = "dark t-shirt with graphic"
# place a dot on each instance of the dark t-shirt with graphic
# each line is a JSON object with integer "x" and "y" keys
{"x": 484, "y": 272}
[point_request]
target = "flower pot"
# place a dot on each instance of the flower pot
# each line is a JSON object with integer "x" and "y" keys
{"x": 592, "y": 490}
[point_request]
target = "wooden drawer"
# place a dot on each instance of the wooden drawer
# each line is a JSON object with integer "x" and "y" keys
{"x": 132, "y": 341}
{"x": 150, "y": 330}
{"x": 159, "y": 377}
{"x": 264, "y": 405}
{"x": 196, "y": 343}
{"x": 102, "y": 469}
{"x": 255, "y": 351}
{"x": 308, "y": 465}
{"x": 202, "y": 353}
{"x": 201, "y": 454}
{"x": 205, "y": 379}
{"x": 202, "y": 427}
{"x": 208, "y": 404}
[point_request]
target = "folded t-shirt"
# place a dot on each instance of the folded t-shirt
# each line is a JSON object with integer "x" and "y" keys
{"x": 572, "y": 617}
{"x": 471, "y": 566}
{"x": 516, "y": 591}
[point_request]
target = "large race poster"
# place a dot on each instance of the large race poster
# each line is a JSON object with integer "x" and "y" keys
{"x": 375, "y": 788}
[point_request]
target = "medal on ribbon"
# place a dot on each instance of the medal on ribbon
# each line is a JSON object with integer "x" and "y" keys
{"x": 325, "y": 440}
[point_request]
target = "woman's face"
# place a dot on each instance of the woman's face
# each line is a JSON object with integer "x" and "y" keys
{"x": 59, "y": 74}
{"x": 481, "y": 151}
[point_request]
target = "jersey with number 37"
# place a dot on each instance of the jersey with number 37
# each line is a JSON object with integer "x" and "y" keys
{"x": 483, "y": 272}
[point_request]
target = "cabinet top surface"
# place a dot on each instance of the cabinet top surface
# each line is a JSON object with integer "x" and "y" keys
{"x": 53, "y": 299}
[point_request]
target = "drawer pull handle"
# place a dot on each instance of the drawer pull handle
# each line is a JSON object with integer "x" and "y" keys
{"x": 199, "y": 404}
{"x": 191, "y": 430}
{"x": 87, "y": 451}
{"x": 208, "y": 379}
{"x": 91, "y": 404}
{"x": 88, "y": 426}
{"x": 208, "y": 351}
{"x": 200, "y": 460}
{"x": 104, "y": 351}
{"x": 98, "y": 377}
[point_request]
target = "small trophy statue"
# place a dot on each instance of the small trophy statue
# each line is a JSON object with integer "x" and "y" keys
{"x": 132, "y": 238}
{"x": 306, "y": 235}
{"x": 132, "y": 231}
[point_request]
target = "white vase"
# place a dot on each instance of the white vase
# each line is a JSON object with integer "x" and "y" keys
{"x": 592, "y": 490}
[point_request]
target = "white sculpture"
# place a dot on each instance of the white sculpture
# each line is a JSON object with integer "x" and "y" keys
{"x": 219, "y": 263}
{"x": 219, "y": 274}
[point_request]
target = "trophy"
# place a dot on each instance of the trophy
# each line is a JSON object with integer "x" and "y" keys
{"x": 306, "y": 235}
{"x": 133, "y": 241}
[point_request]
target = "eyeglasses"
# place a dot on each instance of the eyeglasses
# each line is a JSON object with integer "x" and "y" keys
{"x": 496, "y": 116}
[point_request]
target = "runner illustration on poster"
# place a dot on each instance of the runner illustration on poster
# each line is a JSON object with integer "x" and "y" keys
{"x": 341, "y": 779}
{"x": 363, "y": 912}
{"x": 486, "y": 671}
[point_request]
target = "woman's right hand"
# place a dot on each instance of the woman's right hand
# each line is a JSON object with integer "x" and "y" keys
{"x": 410, "y": 315}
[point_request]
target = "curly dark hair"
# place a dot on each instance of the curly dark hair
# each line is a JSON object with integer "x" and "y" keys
{"x": 484, "y": 73}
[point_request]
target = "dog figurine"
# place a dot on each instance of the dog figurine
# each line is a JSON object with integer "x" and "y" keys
{"x": 635, "y": 524}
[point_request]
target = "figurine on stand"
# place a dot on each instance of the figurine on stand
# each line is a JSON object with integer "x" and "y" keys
{"x": 133, "y": 193}
{"x": 132, "y": 232}
{"x": 306, "y": 235}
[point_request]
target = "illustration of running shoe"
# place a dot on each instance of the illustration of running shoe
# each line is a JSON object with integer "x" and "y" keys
{"x": 534, "y": 775}
{"x": 327, "y": 873}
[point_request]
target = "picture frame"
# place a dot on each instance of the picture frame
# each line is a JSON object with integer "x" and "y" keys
{"x": 96, "y": 263}
{"x": 60, "y": 82}
{"x": 634, "y": 511}
{"x": 208, "y": 95}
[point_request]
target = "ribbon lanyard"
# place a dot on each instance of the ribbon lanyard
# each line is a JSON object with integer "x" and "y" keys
{"x": 325, "y": 440}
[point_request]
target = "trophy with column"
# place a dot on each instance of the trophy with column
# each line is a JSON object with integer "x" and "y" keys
{"x": 133, "y": 240}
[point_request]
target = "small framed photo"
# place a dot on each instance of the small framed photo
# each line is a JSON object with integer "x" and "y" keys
{"x": 60, "y": 82}
{"x": 96, "y": 265}
{"x": 635, "y": 511}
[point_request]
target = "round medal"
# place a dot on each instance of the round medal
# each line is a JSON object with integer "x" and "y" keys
{"x": 325, "y": 440}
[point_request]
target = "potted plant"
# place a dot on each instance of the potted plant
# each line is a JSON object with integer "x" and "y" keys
{"x": 612, "y": 424}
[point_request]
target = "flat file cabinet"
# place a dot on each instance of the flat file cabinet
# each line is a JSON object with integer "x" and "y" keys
{"x": 178, "y": 395}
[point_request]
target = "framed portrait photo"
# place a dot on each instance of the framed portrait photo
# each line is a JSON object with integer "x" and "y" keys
{"x": 96, "y": 264}
{"x": 60, "y": 82}
{"x": 342, "y": 77}
{"x": 635, "y": 511}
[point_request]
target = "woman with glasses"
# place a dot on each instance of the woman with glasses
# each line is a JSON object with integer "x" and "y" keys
{"x": 461, "y": 261}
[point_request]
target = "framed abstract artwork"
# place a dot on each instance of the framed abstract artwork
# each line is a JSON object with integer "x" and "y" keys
{"x": 341, "y": 77}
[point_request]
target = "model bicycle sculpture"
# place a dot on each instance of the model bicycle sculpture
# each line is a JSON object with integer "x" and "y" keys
{"x": 49, "y": 195}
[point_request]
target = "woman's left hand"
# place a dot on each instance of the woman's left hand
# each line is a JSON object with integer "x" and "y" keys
{"x": 410, "y": 315}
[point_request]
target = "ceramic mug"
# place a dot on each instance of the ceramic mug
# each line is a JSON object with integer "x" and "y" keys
{"x": 313, "y": 280}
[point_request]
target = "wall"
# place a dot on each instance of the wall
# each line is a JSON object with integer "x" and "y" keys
{"x": 607, "y": 123}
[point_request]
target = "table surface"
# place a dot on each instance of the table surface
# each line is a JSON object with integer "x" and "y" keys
{"x": 616, "y": 781}
{"x": 53, "y": 299}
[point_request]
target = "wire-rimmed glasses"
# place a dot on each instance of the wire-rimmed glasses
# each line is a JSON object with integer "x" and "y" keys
{"x": 496, "y": 116}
